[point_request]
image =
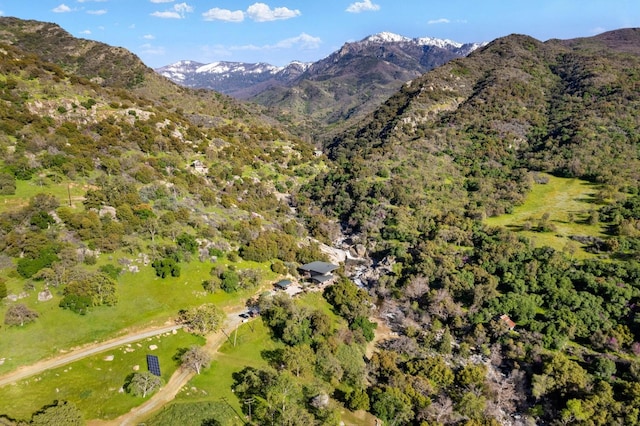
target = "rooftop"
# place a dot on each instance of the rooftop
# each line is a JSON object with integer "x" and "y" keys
{"x": 319, "y": 267}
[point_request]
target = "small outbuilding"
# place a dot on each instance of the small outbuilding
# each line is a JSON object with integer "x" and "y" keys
{"x": 508, "y": 321}
{"x": 283, "y": 284}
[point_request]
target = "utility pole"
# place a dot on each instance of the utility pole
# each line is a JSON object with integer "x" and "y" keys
{"x": 249, "y": 401}
{"x": 235, "y": 337}
{"x": 225, "y": 333}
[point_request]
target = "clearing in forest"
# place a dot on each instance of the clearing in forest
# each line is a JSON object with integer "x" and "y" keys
{"x": 553, "y": 212}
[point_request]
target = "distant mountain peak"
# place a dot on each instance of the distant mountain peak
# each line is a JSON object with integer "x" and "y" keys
{"x": 385, "y": 37}
{"x": 389, "y": 37}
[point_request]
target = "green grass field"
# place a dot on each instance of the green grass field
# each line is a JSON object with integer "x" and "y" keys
{"x": 567, "y": 203}
{"x": 27, "y": 189}
{"x": 94, "y": 383}
{"x": 212, "y": 389}
{"x": 144, "y": 300}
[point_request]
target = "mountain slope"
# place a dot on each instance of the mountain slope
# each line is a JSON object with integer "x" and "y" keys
{"x": 98, "y": 173}
{"x": 107, "y": 65}
{"x": 413, "y": 183}
{"x": 316, "y": 97}
{"x": 516, "y": 103}
{"x": 354, "y": 80}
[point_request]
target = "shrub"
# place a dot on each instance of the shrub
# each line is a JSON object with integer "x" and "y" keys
{"x": 78, "y": 304}
{"x": 165, "y": 267}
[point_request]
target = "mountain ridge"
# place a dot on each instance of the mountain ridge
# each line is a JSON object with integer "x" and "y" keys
{"x": 230, "y": 69}
{"x": 314, "y": 97}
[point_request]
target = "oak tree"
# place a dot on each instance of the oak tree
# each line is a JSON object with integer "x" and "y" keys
{"x": 19, "y": 314}
{"x": 195, "y": 358}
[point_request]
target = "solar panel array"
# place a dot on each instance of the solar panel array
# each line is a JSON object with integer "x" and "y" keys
{"x": 153, "y": 364}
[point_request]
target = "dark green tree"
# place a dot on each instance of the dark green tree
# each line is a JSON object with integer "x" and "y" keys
{"x": 166, "y": 267}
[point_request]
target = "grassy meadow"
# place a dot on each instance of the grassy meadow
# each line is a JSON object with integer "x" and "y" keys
{"x": 94, "y": 384}
{"x": 144, "y": 300}
{"x": 27, "y": 189}
{"x": 566, "y": 202}
{"x": 210, "y": 393}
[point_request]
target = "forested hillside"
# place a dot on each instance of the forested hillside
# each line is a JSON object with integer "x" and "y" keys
{"x": 128, "y": 201}
{"x": 466, "y": 141}
{"x": 108, "y": 176}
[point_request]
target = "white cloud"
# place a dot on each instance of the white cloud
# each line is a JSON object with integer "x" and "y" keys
{"x": 363, "y": 6}
{"x": 258, "y": 12}
{"x": 304, "y": 41}
{"x": 63, "y": 8}
{"x": 161, "y": 1}
{"x": 179, "y": 11}
{"x": 97, "y": 12}
{"x": 87, "y": 1}
{"x": 1, "y": 12}
{"x": 217, "y": 14}
{"x": 148, "y": 49}
{"x": 446, "y": 21}
{"x": 85, "y": 32}
{"x": 149, "y": 37}
{"x": 183, "y": 8}
{"x": 167, "y": 15}
{"x": 216, "y": 51}
{"x": 261, "y": 12}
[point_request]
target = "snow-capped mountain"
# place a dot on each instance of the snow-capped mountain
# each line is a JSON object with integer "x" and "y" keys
{"x": 413, "y": 56}
{"x": 238, "y": 79}
{"x": 387, "y": 37}
{"x": 345, "y": 85}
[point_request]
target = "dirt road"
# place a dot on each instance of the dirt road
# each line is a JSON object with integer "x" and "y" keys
{"x": 179, "y": 379}
{"x": 75, "y": 355}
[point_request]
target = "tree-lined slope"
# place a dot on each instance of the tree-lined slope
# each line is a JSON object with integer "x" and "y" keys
{"x": 467, "y": 140}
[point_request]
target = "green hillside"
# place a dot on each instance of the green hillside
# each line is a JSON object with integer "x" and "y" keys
{"x": 499, "y": 195}
{"x": 494, "y": 200}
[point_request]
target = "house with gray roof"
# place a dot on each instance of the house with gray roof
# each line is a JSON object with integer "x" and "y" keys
{"x": 320, "y": 272}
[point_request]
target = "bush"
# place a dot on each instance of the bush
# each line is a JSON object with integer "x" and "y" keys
{"x": 28, "y": 267}
{"x": 230, "y": 281}
{"x": 7, "y": 184}
{"x": 279, "y": 267}
{"x": 110, "y": 270}
{"x": 78, "y": 304}
{"x": 165, "y": 267}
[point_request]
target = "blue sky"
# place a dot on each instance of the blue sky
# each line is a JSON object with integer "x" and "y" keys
{"x": 161, "y": 32}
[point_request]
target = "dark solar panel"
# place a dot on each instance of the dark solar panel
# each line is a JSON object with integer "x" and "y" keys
{"x": 153, "y": 364}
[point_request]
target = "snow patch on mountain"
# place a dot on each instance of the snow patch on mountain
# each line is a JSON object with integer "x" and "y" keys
{"x": 238, "y": 67}
{"x": 387, "y": 37}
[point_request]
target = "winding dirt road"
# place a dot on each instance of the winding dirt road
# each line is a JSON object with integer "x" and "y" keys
{"x": 165, "y": 395}
{"x": 76, "y": 354}
{"x": 177, "y": 381}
